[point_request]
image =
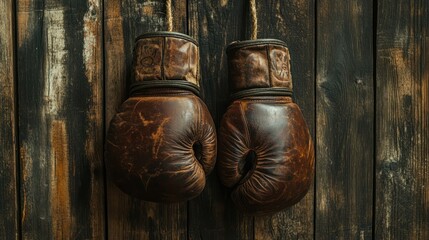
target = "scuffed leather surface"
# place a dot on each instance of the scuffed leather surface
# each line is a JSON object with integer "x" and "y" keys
{"x": 272, "y": 127}
{"x": 280, "y": 75}
{"x": 148, "y": 53}
{"x": 150, "y": 147}
{"x": 166, "y": 58}
{"x": 275, "y": 130}
{"x": 181, "y": 60}
{"x": 150, "y": 142}
{"x": 263, "y": 65}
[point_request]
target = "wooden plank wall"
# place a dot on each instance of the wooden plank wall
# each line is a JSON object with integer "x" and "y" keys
{"x": 129, "y": 218}
{"x": 402, "y": 120}
{"x": 345, "y": 119}
{"x": 212, "y": 215}
{"x": 293, "y": 21}
{"x": 60, "y": 99}
{"x": 9, "y": 187}
{"x": 361, "y": 78}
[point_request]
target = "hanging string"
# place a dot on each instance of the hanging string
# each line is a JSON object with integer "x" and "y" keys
{"x": 169, "y": 16}
{"x": 254, "y": 19}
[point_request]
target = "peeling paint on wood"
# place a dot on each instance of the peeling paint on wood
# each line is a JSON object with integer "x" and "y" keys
{"x": 55, "y": 62}
{"x": 91, "y": 28}
{"x": 60, "y": 119}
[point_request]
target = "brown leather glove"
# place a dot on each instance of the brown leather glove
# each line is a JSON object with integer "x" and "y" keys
{"x": 162, "y": 142}
{"x": 266, "y": 154}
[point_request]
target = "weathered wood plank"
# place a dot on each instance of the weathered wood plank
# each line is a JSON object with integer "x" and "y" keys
{"x": 402, "y": 104}
{"x": 345, "y": 111}
{"x": 293, "y": 22}
{"x": 131, "y": 218}
{"x": 60, "y": 73}
{"x": 215, "y": 24}
{"x": 9, "y": 207}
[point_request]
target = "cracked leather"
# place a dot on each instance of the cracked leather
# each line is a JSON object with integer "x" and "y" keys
{"x": 266, "y": 154}
{"x": 162, "y": 142}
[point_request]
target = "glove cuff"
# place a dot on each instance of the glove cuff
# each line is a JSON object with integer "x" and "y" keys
{"x": 261, "y": 63}
{"x": 260, "y": 92}
{"x": 165, "y": 56}
{"x": 140, "y": 87}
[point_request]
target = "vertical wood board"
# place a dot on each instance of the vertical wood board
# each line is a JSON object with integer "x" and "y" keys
{"x": 130, "y": 218}
{"x": 60, "y": 118}
{"x": 9, "y": 212}
{"x": 292, "y": 21}
{"x": 345, "y": 120}
{"x": 215, "y": 24}
{"x": 402, "y": 104}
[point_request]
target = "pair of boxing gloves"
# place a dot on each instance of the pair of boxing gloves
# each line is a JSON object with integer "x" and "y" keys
{"x": 162, "y": 143}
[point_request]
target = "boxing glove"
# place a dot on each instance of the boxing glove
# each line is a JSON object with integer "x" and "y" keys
{"x": 266, "y": 154}
{"x": 161, "y": 144}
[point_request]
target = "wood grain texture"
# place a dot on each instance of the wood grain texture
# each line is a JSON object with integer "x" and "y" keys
{"x": 292, "y": 21}
{"x": 9, "y": 207}
{"x": 345, "y": 111}
{"x": 402, "y": 106}
{"x": 60, "y": 119}
{"x": 130, "y": 218}
{"x": 51, "y": 147}
{"x": 215, "y": 24}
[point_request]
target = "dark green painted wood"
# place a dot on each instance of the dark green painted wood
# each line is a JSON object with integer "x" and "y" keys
{"x": 130, "y": 218}
{"x": 402, "y": 110}
{"x": 345, "y": 119}
{"x": 9, "y": 212}
{"x": 215, "y": 24}
{"x": 60, "y": 119}
{"x": 293, "y": 22}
